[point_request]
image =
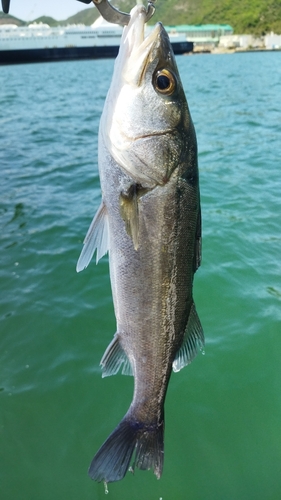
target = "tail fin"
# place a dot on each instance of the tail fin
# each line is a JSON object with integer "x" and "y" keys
{"x": 113, "y": 459}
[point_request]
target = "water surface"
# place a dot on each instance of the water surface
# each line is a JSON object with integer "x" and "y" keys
{"x": 223, "y": 412}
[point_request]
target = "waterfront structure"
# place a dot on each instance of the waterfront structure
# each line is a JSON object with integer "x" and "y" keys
{"x": 38, "y": 42}
{"x": 206, "y": 35}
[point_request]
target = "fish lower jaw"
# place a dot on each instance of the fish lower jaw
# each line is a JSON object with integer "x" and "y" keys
{"x": 151, "y": 134}
{"x": 127, "y": 139}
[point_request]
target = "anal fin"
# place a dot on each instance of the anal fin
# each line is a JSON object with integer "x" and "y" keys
{"x": 113, "y": 358}
{"x": 97, "y": 238}
{"x": 192, "y": 341}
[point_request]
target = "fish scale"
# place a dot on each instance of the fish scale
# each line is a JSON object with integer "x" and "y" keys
{"x": 150, "y": 223}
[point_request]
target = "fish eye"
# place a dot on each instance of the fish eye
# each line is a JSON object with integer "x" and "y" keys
{"x": 164, "y": 82}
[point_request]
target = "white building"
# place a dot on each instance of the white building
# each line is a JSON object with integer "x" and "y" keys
{"x": 242, "y": 42}
{"x": 272, "y": 41}
{"x": 202, "y": 34}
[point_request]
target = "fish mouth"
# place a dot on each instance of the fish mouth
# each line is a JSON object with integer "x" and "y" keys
{"x": 134, "y": 33}
{"x": 139, "y": 50}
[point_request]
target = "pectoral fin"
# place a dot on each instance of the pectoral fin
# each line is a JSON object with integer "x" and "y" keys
{"x": 130, "y": 214}
{"x": 193, "y": 339}
{"x": 97, "y": 238}
{"x": 129, "y": 210}
{"x": 113, "y": 359}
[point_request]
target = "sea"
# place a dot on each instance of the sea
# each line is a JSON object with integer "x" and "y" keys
{"x": 223, "y": 412}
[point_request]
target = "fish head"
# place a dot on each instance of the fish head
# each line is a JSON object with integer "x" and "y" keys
{"x": 146, "y": 120}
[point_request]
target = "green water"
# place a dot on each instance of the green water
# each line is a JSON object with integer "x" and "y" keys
{"x": 222, "y": 435}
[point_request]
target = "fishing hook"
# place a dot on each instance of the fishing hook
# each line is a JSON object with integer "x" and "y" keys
{"x": 115, "y": 16}
{"x": 107, "y": 11}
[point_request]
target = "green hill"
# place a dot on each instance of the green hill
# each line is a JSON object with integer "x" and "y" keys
{"x": 86, "y": 16}
{"x": 245, "y": 16}
{"x": 46, "y": 20}
{"x": 7, "y": 19}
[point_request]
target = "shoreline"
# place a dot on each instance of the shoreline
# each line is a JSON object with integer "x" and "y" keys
{"x": 222, "y": 50}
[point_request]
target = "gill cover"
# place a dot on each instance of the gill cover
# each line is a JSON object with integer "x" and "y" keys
{"x": 145, "y": 105}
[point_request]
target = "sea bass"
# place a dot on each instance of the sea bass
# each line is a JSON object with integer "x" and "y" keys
{"x": 150, "y": 223}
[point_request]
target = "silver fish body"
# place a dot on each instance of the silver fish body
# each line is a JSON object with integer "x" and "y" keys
{"x": 150, "y": 222}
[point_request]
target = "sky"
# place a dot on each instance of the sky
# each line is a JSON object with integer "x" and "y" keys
{"x": 27, "y": 10}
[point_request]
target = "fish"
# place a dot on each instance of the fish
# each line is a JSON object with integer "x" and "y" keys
{"x": 149, "y": 222}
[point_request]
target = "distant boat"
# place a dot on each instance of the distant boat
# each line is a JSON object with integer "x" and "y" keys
{"x": 38, "y": 42}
